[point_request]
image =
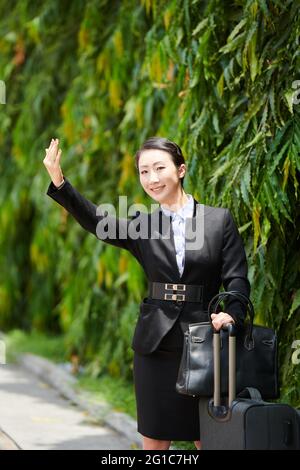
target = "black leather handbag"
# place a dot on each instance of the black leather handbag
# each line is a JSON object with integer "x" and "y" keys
{"x": 256, "y": 355}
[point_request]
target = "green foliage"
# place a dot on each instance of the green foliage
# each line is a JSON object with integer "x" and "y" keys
{"x": 217, "y": 79}
{"x": 50, "y": 346}
{"x": 118, "y": 392}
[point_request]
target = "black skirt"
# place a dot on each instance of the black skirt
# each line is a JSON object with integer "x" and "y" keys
{"x": 163, "y": 413}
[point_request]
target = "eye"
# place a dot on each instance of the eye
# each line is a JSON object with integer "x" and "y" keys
{"x": 160, "y": 167}
{"x": 144, "y": 171}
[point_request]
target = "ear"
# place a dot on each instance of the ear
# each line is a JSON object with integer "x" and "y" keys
{"x": 181, "y": 170}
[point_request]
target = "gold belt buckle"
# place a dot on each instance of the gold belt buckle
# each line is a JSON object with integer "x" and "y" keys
{"x": 180, "y": 297}
{"x": 181, "y": 287}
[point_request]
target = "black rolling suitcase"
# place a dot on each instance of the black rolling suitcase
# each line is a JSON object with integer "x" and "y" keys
{"x": 246, "y": 422}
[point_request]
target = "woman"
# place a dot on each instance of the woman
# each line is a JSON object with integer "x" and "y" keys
{"x": 189, "y": 250}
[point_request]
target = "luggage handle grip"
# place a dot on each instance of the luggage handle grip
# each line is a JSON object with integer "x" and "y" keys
{"x": 217, "y": 364}
{"x": 214, "y": 303}
{"x": 217, "y": 299}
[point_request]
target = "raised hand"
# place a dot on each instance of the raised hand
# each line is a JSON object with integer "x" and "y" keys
{"x": 52, "y": 162}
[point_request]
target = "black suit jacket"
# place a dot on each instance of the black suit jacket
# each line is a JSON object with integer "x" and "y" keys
{"x": 219, "y": 259}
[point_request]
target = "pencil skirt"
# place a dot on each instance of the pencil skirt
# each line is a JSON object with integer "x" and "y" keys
{"x": 163, "y": 413}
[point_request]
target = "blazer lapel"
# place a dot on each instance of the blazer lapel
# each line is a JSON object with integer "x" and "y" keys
{"x": 190, "y": 231}
{"x": 189, "y": 225}
{"x": 166, "y": 236}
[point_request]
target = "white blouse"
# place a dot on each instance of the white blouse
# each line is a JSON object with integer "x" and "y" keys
{"x": 178, "y": 225}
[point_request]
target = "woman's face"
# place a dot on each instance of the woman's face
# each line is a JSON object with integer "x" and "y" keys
{"x": 159, "y": 176}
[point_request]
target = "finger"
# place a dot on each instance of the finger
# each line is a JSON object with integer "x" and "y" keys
{"x": 52, "y": 153}
{"x": 50, "y": 147}
{"x": 219, "y": 322}
{"x": 55, "y": 147}
{"x": 214, "y": 315}
{"x": 216, "y": 326}
{"x": 228, "y": 318}
{"x": 58, "y": 156}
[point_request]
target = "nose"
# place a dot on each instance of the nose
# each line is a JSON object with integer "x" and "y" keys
{"x": 153, "y": 177}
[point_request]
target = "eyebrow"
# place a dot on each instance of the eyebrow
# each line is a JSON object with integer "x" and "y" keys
{"x": 146, "y": 166}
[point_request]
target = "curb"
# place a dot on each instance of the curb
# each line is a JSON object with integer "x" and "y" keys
{"x": 64, "y": 382}
{"x": 7, "y": 443}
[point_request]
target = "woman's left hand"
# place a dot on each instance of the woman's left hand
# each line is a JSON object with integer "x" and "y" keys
{"x": 220, "y": 319}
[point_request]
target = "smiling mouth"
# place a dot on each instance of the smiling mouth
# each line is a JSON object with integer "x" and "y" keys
{"x": 156, "y": 190}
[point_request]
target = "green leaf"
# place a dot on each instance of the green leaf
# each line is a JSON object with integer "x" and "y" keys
{"x": 200, "y": 26}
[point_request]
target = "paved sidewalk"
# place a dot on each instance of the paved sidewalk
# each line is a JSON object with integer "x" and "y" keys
{"x": 34, "y": 416}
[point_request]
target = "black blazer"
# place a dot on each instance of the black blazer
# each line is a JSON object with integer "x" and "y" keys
{"x": 221, "y": 260}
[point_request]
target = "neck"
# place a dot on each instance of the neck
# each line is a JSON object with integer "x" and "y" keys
{"x": 176, "y": 202}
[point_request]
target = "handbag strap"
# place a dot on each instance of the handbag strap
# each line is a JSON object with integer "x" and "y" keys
{"x": 244, "y": 299}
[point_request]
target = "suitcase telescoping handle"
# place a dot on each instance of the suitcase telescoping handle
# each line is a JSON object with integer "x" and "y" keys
{"x": 232, "y": 364}
{"x": 213, "y": 305}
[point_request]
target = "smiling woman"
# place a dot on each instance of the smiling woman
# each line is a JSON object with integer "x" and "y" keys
{"x": 182, "y": 276}
{"x": 162, "y": 168}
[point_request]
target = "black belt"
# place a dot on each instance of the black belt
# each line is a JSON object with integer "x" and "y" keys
{"x": 168, "y": 291}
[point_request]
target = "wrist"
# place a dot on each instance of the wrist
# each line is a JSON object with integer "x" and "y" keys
{"x": 58, "y": 184}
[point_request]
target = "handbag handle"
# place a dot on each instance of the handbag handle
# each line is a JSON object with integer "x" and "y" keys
{"x": 217, "y": 299}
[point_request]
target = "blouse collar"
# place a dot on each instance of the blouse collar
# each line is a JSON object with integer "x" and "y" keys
{"x": 185, "y": 211}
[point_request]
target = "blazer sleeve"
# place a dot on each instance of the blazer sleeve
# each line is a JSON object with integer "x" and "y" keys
{"x": 91, "y": 218}
{"x": 234, "y": 267}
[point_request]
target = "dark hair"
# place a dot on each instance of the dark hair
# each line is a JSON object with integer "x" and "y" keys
{"x": 160, "y": 143}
